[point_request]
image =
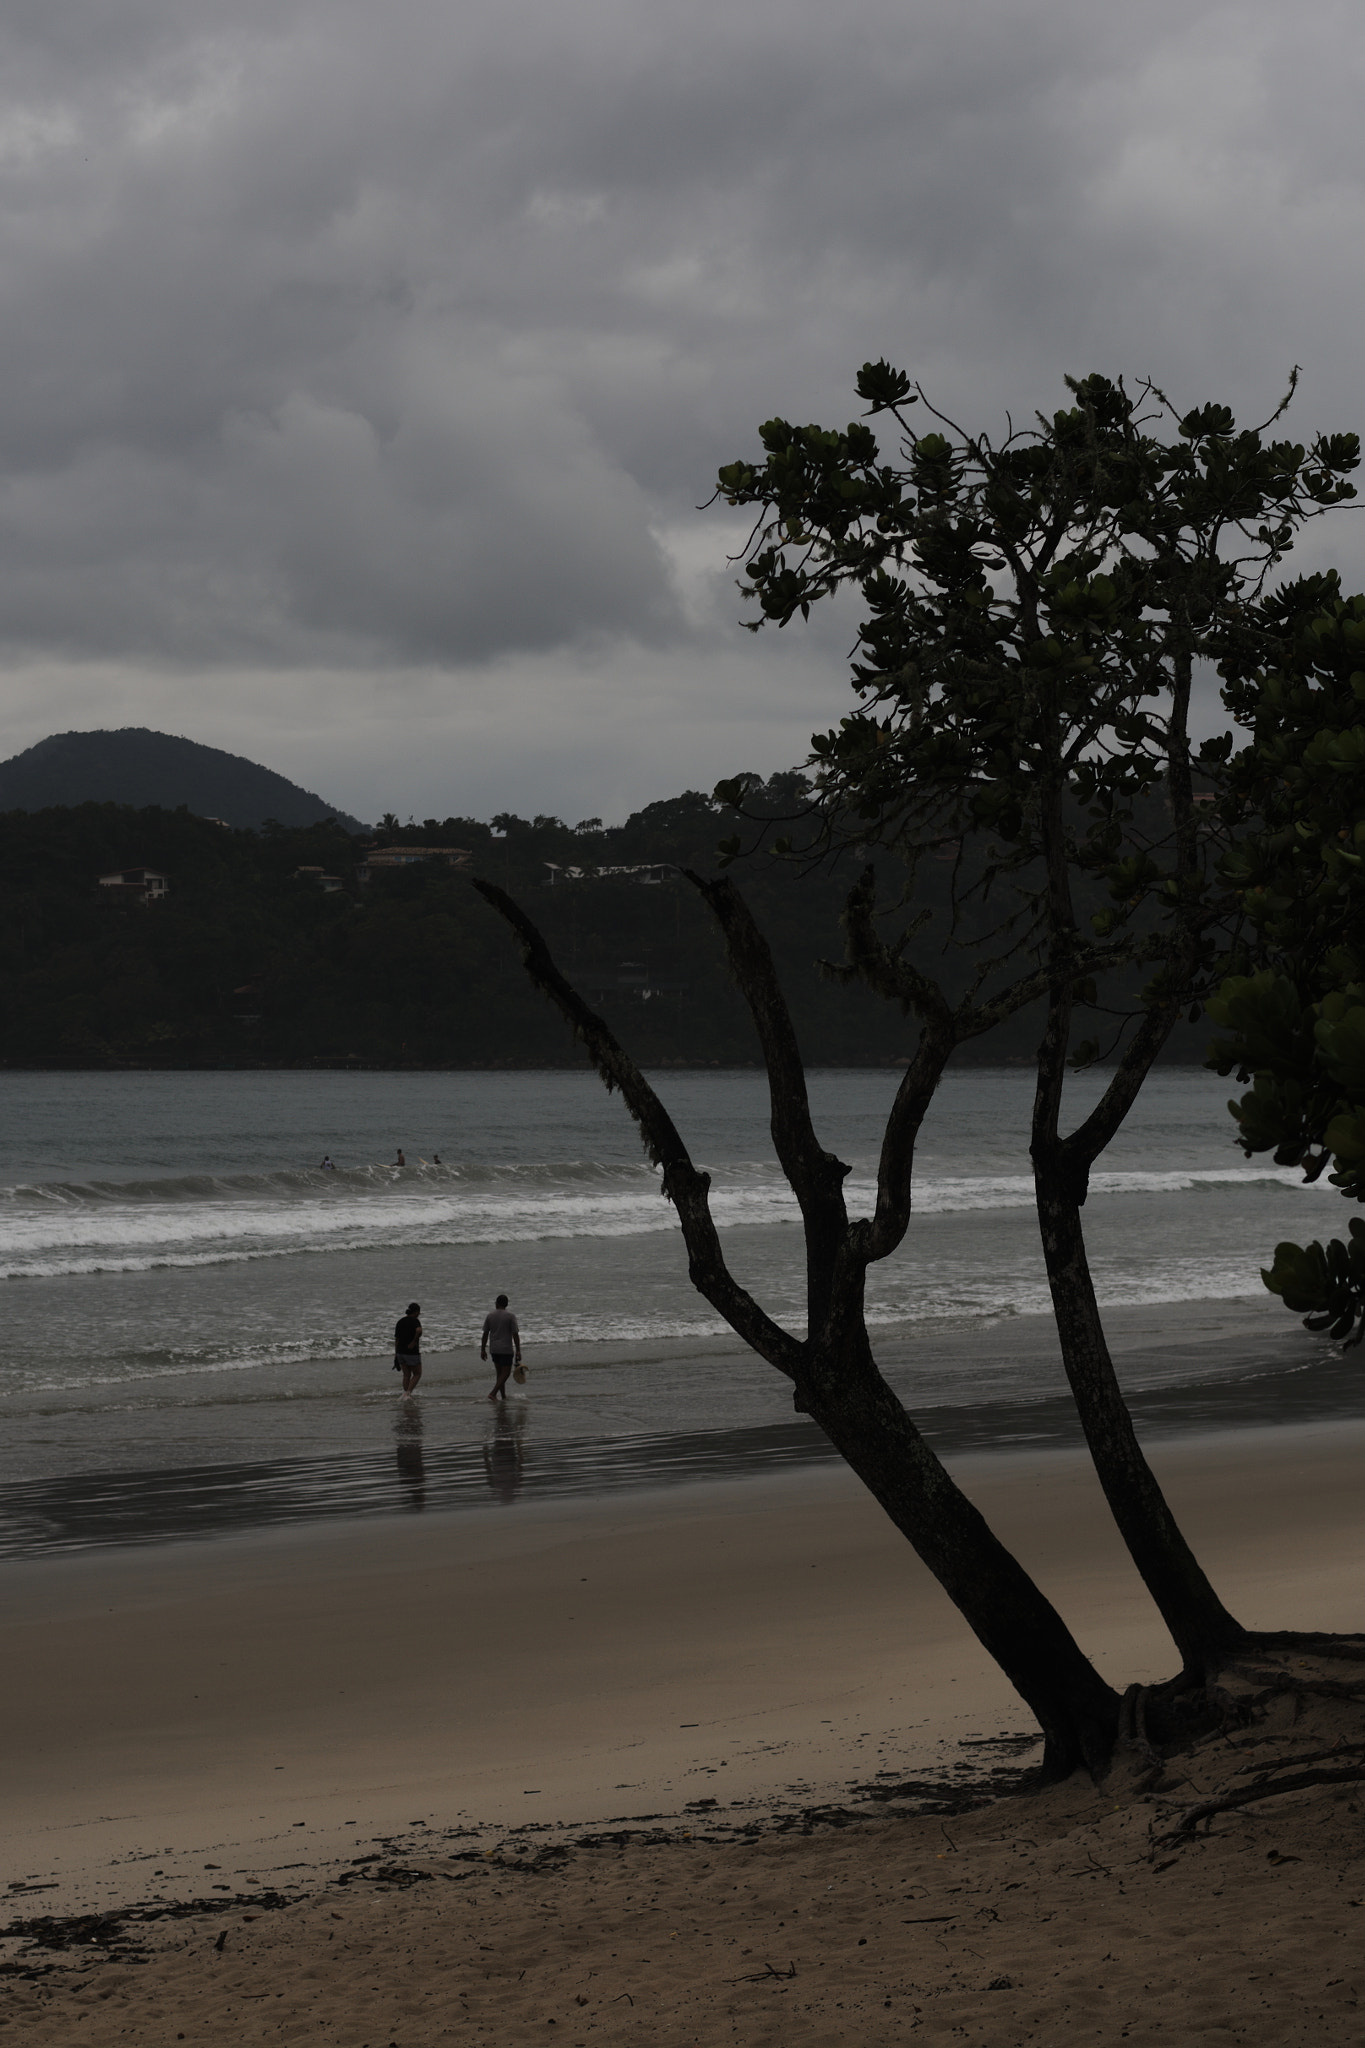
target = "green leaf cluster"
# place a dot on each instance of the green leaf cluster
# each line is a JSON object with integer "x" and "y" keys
{"x": 1033, "y": 612}
{"x": 1324, "y": 1283}
{"x": 1296, "y": 1026}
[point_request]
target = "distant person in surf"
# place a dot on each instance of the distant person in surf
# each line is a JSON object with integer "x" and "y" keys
{"x": 502, "y": 1338}
{"x": 400, "y": 1160}
{"x": 327, "y": 1166}
{"x": 407, "y": 1346}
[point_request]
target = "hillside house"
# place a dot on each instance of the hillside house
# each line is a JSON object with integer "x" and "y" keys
{"x": 648, "y": 873}
{"x": 135, "y": 885}
{"x": 385, "y": 857}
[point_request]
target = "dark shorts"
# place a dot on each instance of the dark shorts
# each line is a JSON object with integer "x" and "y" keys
{"x": 404, "y": 1361}
{"x": 502, "y": 1358}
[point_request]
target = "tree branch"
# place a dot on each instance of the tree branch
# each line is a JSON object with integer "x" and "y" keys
{"x": 893, "y": 977}
{"x": 1083, "y": 1146}
{"x": 873, "y": 961}
{"x": 817, "y": 1177}
{"x": 686, "y": 1187}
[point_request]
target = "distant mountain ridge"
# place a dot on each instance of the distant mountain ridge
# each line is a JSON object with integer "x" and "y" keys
{"x": 136, "y": 766}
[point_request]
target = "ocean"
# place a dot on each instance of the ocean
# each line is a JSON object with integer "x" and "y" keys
{"x": 200, "y": 1321}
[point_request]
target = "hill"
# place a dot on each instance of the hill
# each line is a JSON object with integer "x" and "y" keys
{"x": 250, "y": 960}
{"x": 292, "y": 946}
{"x": 141, "y": 768}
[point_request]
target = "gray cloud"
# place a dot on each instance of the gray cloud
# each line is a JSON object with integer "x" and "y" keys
{"x": 344, "y": 345}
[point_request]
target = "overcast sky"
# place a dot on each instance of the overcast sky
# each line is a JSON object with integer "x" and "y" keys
{"x": 362, "y": 367}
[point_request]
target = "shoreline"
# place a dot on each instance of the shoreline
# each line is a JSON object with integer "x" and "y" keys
{"x": 588, "y": 1424}
{"x": 275, "y": 1702}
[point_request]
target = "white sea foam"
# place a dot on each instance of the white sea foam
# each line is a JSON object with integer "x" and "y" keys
{"x": 55, "y": 1229}
{"x": 191, "y": 1299}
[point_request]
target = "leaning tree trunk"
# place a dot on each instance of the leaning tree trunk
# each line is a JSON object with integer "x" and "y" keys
{"x": 1201, "y": 1626}
{"x": 1203, "y": 1630}
{"x": 1076, "y": 1710}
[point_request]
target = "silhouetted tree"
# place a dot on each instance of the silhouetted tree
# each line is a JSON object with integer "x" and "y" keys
{"x": 1035, "y": 613}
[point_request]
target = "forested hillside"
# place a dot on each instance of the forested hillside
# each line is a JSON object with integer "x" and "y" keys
{"x": 135, "y": 766}
{"x": 248, "y": 962}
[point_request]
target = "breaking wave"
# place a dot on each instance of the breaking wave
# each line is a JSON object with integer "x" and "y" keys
{"x": 70, "y": 1227}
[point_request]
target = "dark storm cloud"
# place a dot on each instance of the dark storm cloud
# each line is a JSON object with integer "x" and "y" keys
{"x": 339, "y": 337}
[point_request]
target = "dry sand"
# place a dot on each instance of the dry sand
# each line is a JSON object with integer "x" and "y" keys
{"x": 514, "y": 1718}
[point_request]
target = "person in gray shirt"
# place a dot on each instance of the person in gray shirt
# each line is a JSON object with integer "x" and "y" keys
{"x": 502, "y": 1338}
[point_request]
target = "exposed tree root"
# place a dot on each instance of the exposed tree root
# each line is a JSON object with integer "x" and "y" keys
{"x": 1249, "y": 1795}
{"x": 1290, "y": 1642}
{"x": 1289, "y": 1689}
{"x": 1319, "y": 1688}
{"x": 1311, "y": 1718}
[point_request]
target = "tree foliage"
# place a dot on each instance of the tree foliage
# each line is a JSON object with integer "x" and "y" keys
{"x": 1034, "y": 611}
{"x": 1294, "y": 1015}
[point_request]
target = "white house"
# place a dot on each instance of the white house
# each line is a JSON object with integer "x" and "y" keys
{"x": 141, "y": 885}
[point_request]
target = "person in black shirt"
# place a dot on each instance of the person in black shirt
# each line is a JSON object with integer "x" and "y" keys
{"x": 407, "y": 1346}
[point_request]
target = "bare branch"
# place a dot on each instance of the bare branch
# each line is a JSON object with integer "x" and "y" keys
{"x": 686, "y": 1187}
{"x": 816, "y": 1176}
{"x": 1084, "y": 1145}
{"x": 895, "y": 1168}
{"x": 883, "y": 970}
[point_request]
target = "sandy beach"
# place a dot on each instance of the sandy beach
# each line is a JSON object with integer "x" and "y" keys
{"x": 621, "y": 1704}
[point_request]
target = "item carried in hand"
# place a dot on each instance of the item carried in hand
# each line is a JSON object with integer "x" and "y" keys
{"x": 519, "y": 1373}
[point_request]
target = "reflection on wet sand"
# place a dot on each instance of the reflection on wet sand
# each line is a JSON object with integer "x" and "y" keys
{"x": 412, "y": 1470}
{"x": 504, "y": 1451}
{"x": 496, "y": 1456}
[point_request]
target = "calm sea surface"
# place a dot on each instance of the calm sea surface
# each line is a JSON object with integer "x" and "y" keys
{"x": 200, "y": 1320}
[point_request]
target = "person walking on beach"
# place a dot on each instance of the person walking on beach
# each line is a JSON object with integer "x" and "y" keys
{"x": 407, "y": 1346}
{"x": 502, "y": 1337}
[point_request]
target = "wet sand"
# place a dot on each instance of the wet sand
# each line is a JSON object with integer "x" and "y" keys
{"x": 234, "y": 1712}
{"x": 598, "y": 1420}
